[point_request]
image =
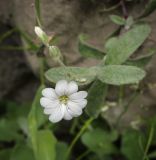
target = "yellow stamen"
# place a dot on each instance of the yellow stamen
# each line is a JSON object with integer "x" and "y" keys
{"x": 63, "y": 99}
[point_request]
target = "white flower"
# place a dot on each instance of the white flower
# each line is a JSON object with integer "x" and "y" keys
{"x": 63, "y": 102}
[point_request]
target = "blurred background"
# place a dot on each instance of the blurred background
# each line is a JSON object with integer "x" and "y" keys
{"x": 66, "y": 20}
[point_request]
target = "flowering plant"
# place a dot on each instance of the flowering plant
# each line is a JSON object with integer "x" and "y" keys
{"x": 82, "y": 112}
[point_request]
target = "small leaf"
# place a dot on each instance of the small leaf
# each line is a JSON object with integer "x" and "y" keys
{"x": 87, "y": 50}
{"x": 131, "y": 147}
{"x": 46, "y": 145}
{"x": 98, "y": 90}
{"x": 22, "y": 152}
{"x": 141, "y": 61}
{"x": 81, "y": 75}
{"x": 118, "y": 20}
{"x": 129, "y": 22}
{"x": 99, "y": 141}
{"x": 120, "y": 74}
{"x": 119, "y": 49}
{"x": 150, "y": 7}
{"x": 61, "y": 150}
{"x": 8, "y": 130}
{"x": 5, "y": 154}
{"x": 35, "y": 119}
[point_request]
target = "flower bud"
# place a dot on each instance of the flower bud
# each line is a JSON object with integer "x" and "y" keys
{"x": 42, "y": 35}
{"x": 54, "y": 52}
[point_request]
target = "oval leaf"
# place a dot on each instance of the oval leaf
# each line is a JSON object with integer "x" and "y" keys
{"x": 120, "y": 74}
{"x": 102, "y": 144}
{"x": 22, "y": 152}
{"x": 118, "y": 20}
{"x": 119, "y": 49}
{"x": 46, "y": 145}
{"x": 94, "y": 105}
{"x": 82, "y": 76}
{"x": 35, "y": 119}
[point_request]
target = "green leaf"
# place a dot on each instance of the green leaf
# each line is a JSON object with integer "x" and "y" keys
{"x": 22, "y": 152}
{"x": 46, "y": 145}
{"x": 150, "y": 7}
{"x": 118, "y": 20}
{"x": 141, "y": 61}
{"x": 98, "y": 90}
{"x": 131, "y": 147}
{"x": 81, "y": 75}
{"x": 7, "y": 34}
{"x": 87, "y": 50}
{"x": 119, "y": 49}
{"x": 129, "y": 22}
{"x": 99, "y": 141}
{"x": 61, "y": 150}
{"x": 5, "y": 154}
{"x": 120, "y": 74}
{"x": 8, "y": 130}
{"x": 35, "y": 119}
{"x": 152, "y": 154}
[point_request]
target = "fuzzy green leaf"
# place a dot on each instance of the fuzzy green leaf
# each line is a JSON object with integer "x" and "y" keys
{"x": 118, "y": 20}
{"x": 119, "y": 49}
{"x": 94, "y": 105}
{"x": 120, "y": 74}
{"x": 81, "y": 75}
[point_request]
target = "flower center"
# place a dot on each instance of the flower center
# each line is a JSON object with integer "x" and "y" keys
{"x": 63, "y": 99}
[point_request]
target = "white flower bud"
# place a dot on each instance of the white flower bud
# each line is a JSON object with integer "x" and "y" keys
{"x": 42, "y": 35}
{"x": 54, "y": 52}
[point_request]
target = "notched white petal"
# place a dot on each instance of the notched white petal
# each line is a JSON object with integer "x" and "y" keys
{"x": 72, "y": 87}
{"x": 81, "y": 102}
{"x": 78, "y": 95}
{"x": 67, "y": 115}
{"x": 61, "y": 87}
{"x": 45, "y": 102}
{"x": 49, "y": 93}
{"x": 74, "y": 109}
{"x": 56, "y": 115}
{"x": 48, "y": 110}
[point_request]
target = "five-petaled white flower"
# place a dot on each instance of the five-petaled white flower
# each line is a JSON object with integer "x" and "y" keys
{"x": 63, "y": 102}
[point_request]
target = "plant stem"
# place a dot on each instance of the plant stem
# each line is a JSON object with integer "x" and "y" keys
{"x": 74, "y": 124}
{"x": 125, "y": 108}
{"x": 38, "y": 12}
{"x": 84, "y": 127}
{"x": 42, "y": 71}
{"x": 124, "y": 9}
{"x": 111, "y": 8}
{"x": 61, "y": 63}
{"x": 151, "y": 134}
{"x": 83, "y": 155}
{"x": 121, "y": 93}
